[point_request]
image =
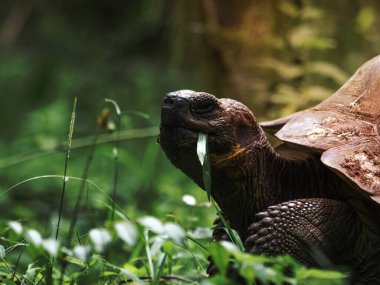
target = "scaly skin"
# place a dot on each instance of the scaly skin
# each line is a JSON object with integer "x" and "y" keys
{"x": 248, "y": 176}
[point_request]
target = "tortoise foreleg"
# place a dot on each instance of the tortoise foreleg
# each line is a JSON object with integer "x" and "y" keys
{"x": 317, "y": 232}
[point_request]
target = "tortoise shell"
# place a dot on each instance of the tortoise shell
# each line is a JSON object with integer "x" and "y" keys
{"x": 344, "y": 128}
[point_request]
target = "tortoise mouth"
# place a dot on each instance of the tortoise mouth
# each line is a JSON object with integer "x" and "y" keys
{"x": 177, "y": 136}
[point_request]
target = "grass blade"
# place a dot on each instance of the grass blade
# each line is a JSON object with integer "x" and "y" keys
{"x": 160, "y": 271}
{"x": 69, "y": 140}
{"x": 149, "y": 254}
{"x": 115, "y": 154}
{"x": 204, "y": 159}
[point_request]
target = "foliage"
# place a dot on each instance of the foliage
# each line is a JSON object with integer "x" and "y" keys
{"x": 136, "y": 249}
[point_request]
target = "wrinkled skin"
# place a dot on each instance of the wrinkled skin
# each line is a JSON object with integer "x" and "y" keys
{"x": 278, "y": 205}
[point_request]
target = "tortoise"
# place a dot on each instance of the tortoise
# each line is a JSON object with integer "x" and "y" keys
{"x": 315, "y": 195}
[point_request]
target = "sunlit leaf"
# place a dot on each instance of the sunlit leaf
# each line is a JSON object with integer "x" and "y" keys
{"x": 366, "y": 18}
{"x": 302, "y": 34}
{"x": 76, "y": 261}
{"x": 132, "y": 276}
{"x": 316, "y": 93}
{"x": 285, "y": 70}
{"x": 327, "y": 69}
{"x": 311, "y": 13}
{"x": 306, "y": 36}
{"x": 133, "y": 269}
{"x": 289, "y": 8}
{"x": 305, "y": 273}
{"x": 109, "y": 273}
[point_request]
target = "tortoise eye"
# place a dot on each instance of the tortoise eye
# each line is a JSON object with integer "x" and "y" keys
{"x": 204, "y": 107}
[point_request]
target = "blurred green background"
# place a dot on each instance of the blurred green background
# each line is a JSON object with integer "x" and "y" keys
{"x": 275, "y": 56}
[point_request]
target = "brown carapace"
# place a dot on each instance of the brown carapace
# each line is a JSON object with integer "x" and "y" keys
{"x": 315, "y": 196}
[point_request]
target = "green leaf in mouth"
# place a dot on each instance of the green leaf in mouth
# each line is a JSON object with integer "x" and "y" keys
{"x": 203, "y": 156}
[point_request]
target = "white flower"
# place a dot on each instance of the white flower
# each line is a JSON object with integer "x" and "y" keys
{"x": 51, "y": 246}
{"x": 189, "y": 200}
{"x": 127, "y": 232}
{"x": 100, "y": 238}
{"x": 15, "y": 226}
{"x": 82, "y": 252}
{"x": 34, "y": 237}
{"x": 175, "y": 232}
{"x": 152, "y": 223}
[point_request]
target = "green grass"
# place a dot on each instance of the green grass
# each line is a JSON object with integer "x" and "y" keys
{"x": 128, "y": 248}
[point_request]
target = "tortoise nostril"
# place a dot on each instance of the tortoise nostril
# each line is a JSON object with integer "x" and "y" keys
{"x": 169, "y": 101}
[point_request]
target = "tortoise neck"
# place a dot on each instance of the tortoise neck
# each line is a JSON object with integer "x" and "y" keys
{"x": 261, "y": 178}
{"x": 280, "y": 179}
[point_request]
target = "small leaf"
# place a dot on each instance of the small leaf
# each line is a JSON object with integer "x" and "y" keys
{"x": 132, "y": 276}
{"x": 284, "y": 70}
{"x": 109, "y": 273}
{"x": 31, "y": 272}
{"x": 317, "y": 93}
{"x": 312, "y": 273}
{"x": 327, "y": 69}
{"x": 76, "y": 261}
{"x": 127, "y": 232}
{"x": 366, "y": 18}
{"x": 220, "y": 256}
{"x": 248, "y": 272}
{"x": 7, "y": 282}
